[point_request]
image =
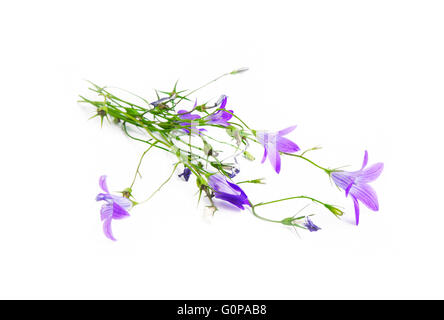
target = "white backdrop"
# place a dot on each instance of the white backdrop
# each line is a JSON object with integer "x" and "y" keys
{"x": 353, "y": 75}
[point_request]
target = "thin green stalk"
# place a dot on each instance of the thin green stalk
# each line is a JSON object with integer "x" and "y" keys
{"x": 141, "y": 140}
{"x": 328, "y": 171}
{"x": 239, "y": 120}
{"x": 140, "y": 162}
{"x": 222, "y": 142}
{"x": 260, "y": 217}
{"x": 289, "y": 198}
{"x": 254, "y": 181}
{"x": 207, "y": 84}
{"x": 164, "y": 183}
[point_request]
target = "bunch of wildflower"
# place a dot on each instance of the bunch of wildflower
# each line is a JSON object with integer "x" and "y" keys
{"x": 187, "y": 131}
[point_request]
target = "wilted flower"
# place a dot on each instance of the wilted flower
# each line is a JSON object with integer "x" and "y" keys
{"x": 356, "y": 184}
{"x": 163, "y": 100}
{"x": 234, "y": 172}
{"x": 274, "y": 143}
{"x": 116, "y": 207}
{"x": 310, "y": 225}
{"x": 186, "y": 174}
{"x": 227, "y": 191}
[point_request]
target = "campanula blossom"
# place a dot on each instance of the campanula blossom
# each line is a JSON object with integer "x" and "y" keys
{"x": 310, "y": 225}
{"x": 221, "y": 116}
{"x": 186, "y": 174}
{"x": 356, "y": 185}
{"x": 186, "y": 115}
{"x": 274, "y": 142}
{"x": 227, "y": 191}
{"x": 115, "y": 207}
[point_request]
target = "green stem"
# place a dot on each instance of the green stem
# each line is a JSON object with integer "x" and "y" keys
{"x": 328, "y": 171}
{"x": 208, "y": 83}
{"x": 164, "y": 183}
{"x": 289, "y": 198}
{"x": 141, "y": 140}
{"x": 222, "y": 142}
{"x": 239, "y": 120}
{"x": 255, "y": 181}
{"x": 140, "y": 162}
{"x": 260, "y": 217}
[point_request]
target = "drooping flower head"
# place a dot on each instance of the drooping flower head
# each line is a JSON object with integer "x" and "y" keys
{"x": 310, "y": 225}
{"x": 221, "y": 116}
{"x": 274, "y": 142}
{"x": 186, "y": 174}
{"x": 115, "y": 207}
{"x": 356, "y": 185}
{"x": 227, "y": 191}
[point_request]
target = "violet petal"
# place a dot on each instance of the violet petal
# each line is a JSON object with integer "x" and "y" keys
{"x": 102, "y": 183}
{"x": 286, "y": 131}
{"x": 286, "y": 145}
{"x": 366, "y": 195}
{"x": 364, "y": 163}
{"x": 107, "y": 229}
{"x": 356, "y": 204}
{"x": 371, "y": 173}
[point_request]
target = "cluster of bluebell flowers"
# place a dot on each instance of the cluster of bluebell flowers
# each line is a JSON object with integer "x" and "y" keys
{"x": 187, "y": 134}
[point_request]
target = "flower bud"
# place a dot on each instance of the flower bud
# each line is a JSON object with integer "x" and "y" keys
{"x": 248, "y": 156}
{"x": 240, "y": 70}
{"x": 258, "y": 181}
{"x": 336, "y": 211}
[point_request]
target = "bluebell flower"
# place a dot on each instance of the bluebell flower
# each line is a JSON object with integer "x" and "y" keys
{"x": 227, "y": 191}
{"x": 274, "y": 142}
{"x": 186, "y": 115}
{"x": 356, "y": 184}
{"x": 115, "y": 207}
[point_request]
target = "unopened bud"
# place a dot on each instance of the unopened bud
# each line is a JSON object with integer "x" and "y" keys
{"x": 258, "y": 181}
{"x": 240, "y": 70}
{"x": 248, "y": 156}
{"x": 336, "y": 211}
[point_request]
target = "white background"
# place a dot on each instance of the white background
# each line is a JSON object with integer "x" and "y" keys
{"x": 353, "y": 75}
